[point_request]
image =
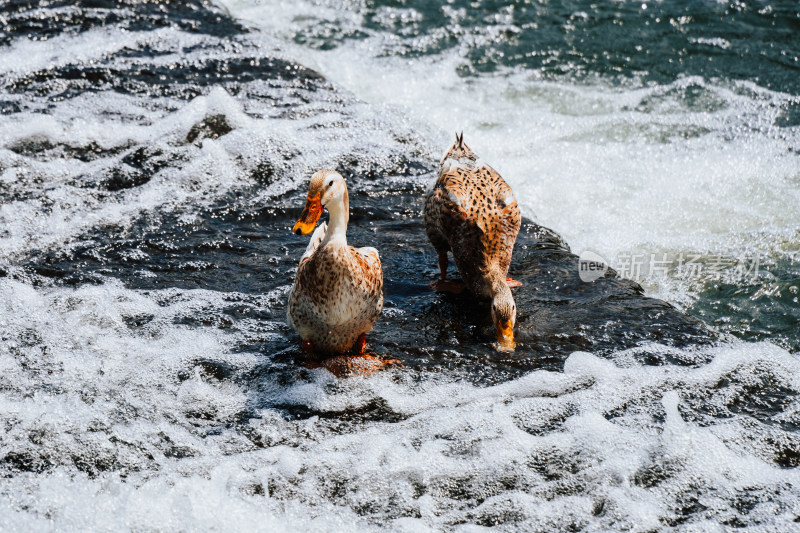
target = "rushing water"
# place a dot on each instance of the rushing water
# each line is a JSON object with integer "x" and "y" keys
{"x": 152, "y": 161}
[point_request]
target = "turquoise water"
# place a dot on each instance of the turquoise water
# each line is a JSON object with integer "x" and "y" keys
{"x": 765, "y": 308}
{"x": 653, "y": 41}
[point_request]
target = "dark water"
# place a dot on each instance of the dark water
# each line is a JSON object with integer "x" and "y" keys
{"x": 234, "y": 241}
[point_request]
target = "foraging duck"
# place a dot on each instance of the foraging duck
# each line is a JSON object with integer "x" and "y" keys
{"x": 472, "y": 212}
{"x": 337, "y": 295}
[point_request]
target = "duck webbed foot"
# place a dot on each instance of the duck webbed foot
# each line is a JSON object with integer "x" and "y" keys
{"x": 358, "y": 362}
{"x": 448, "y": 285}
{"x": 443, "y": 284}
{"x": 513, "y": 283}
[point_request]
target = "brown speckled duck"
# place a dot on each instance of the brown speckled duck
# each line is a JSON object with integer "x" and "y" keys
{"x": 472, "y": 212}
{"x": 338, "y": 292}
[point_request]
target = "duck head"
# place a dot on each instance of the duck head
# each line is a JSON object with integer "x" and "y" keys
{"x": 504, "y": 316}
{"x": 327, "y": 189}
{"x": 459, "y": 153}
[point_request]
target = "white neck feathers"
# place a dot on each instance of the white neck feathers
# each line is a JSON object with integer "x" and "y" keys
{"x": 339, "y": 212}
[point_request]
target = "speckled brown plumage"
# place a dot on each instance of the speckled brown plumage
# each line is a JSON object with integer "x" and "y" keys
{"x": 472, "y": 212}
{"x": 338, "y": 292}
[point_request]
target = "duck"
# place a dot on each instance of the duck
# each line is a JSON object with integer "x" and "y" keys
{"x": 472, "y": 212}
{"x": 337, "y": 295}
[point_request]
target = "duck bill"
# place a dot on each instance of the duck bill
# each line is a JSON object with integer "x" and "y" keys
{"x": 505, "y": 336}
{"x": 309, "y": 216}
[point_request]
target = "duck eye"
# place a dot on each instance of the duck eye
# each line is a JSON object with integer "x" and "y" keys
{"x": 330, "y": 183}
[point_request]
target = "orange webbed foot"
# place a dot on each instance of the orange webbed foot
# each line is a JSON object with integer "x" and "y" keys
{"x": 513, "y": 283}
{"x": 359, "y": 364}
{"x": 448, "y": 285}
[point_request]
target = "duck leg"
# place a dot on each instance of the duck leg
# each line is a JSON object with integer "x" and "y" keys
{"x": 359, "y": 361}
{"x": 360, "y": 352}
{"x": 443, "y": 261}
{"x": 361, "y": 344}
{"x": 513, "y": 283}
{"x": 443, "y": 284}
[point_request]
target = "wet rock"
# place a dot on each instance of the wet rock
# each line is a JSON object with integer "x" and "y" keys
{"x": 196, "y": 16}
{"x": 137, "y": 168}
{"x": 558, "y": 312}
{"x": 211, "y": 127}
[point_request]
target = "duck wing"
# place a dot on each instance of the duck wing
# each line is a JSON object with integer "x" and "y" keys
{"x": 502, "y": 221}
{"x": 449, "y": 219}
{"x": 370, "y": 254}
{"x": 313, "y": 243}
{"x": 367, "y": 267}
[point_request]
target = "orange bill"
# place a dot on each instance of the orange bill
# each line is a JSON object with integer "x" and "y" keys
{"x": 309, "y": 216}
{"x": 505, "y": 336}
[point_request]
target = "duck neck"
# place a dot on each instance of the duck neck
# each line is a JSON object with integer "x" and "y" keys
{"x": 339, "y": 215}
{"x": 498, "y": 284}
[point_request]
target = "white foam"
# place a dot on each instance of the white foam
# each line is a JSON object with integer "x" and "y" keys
{"x": 541, "y": 451}
{"x": 55, "y": 200}
{"x": 25, "y": 55}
